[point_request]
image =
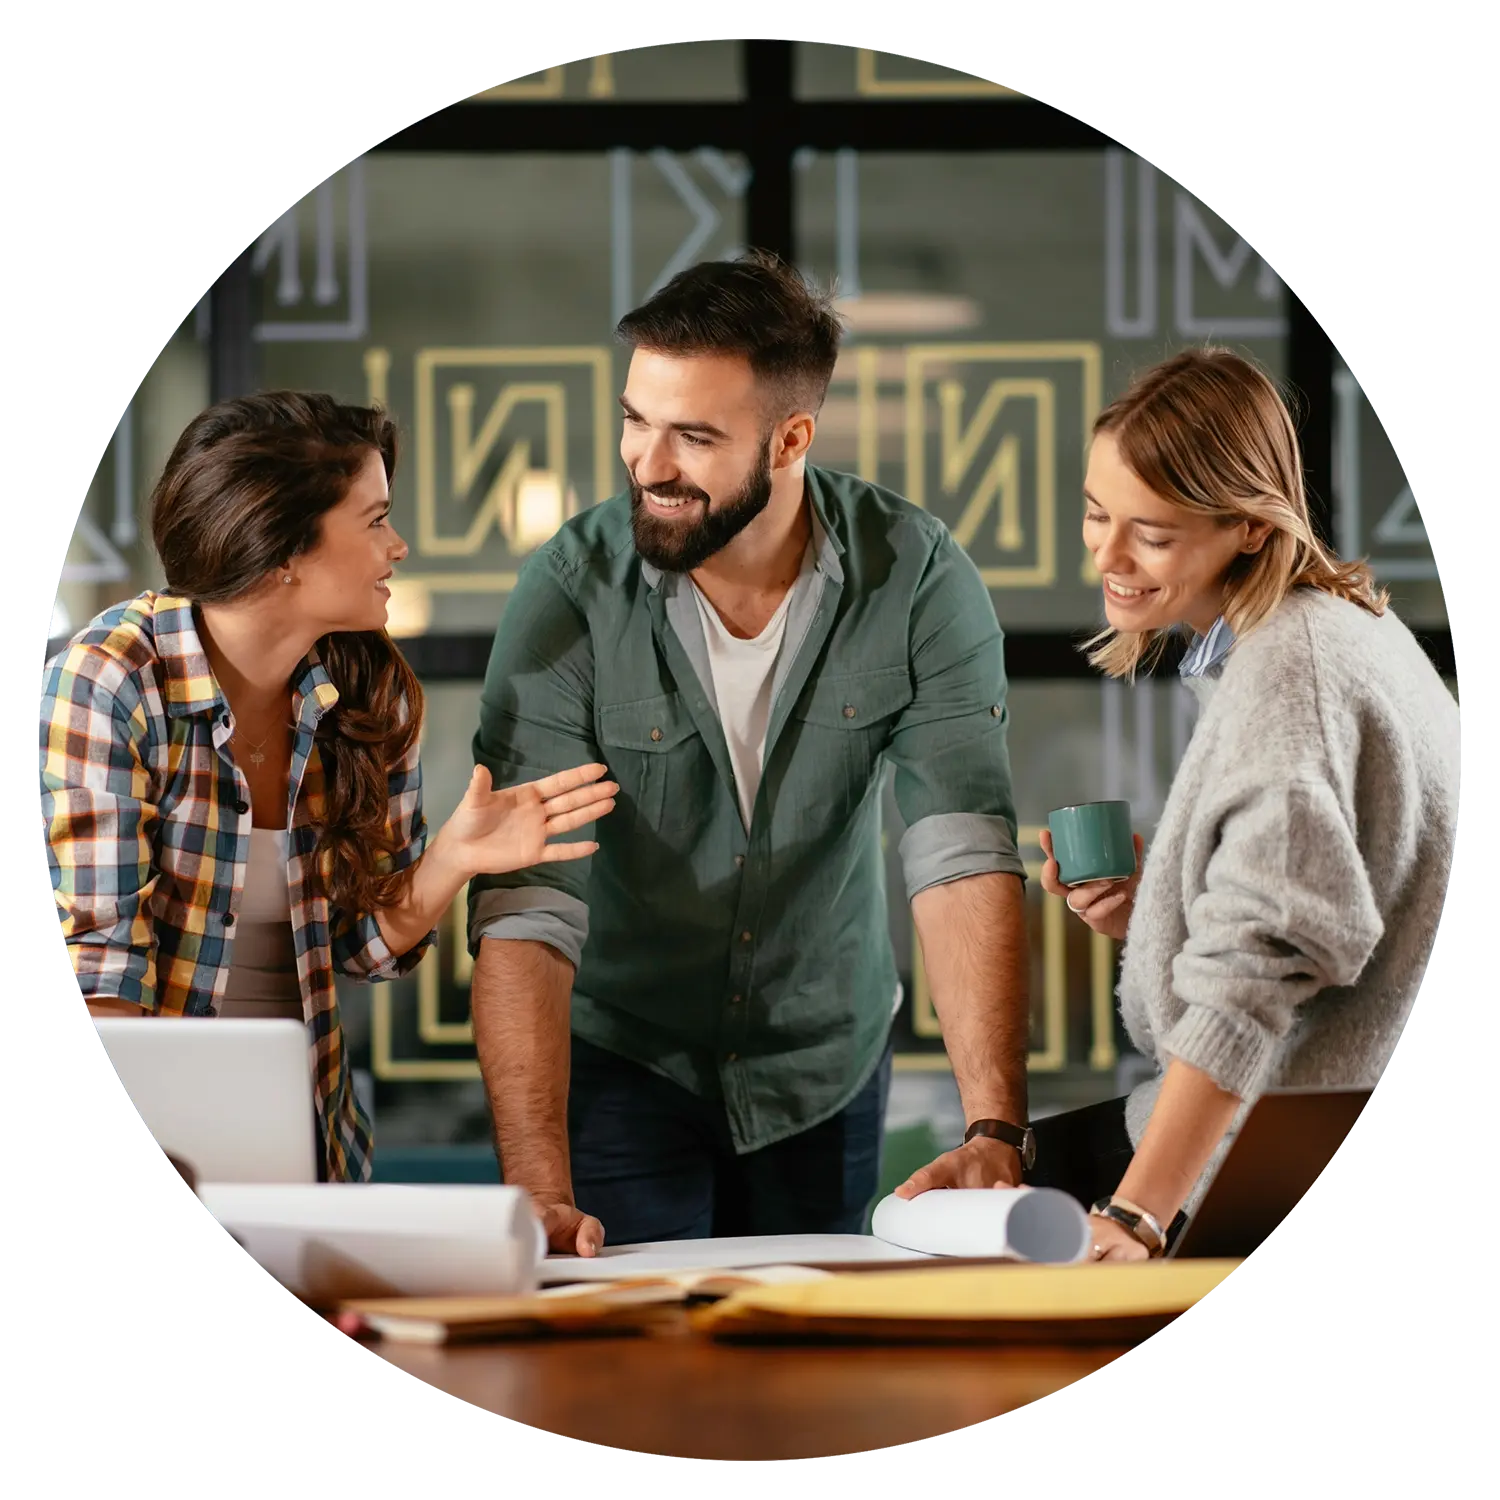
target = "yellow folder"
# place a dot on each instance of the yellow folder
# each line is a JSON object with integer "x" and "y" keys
{"x": 1032, "y": 1303}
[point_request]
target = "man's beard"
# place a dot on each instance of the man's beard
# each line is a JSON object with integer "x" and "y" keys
{"x": 681, "y": 546}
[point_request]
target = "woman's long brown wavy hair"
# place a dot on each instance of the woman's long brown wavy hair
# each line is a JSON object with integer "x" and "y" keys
{"x": 246, "y": 490}
{"x": 1209, "y": 431}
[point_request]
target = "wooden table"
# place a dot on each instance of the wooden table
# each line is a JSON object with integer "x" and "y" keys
{"x": 678, "y": 1393}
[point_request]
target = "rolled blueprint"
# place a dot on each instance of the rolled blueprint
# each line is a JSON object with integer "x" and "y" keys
{"x": 328, "y": 1241}
{"x": 1037, "y": 1224}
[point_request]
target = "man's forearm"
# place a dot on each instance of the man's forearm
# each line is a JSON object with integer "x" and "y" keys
{"x": 519, "y": 1001}
{"x": 973, "y": 937}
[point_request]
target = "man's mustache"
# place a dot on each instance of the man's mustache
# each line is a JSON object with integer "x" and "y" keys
{"x": 671, "y": 491}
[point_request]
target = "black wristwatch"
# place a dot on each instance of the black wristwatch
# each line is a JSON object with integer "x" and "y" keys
{"x": 1019, "y": 1136}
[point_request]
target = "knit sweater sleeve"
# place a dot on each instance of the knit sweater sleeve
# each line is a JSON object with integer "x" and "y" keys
{"x": 1286, "y": 910}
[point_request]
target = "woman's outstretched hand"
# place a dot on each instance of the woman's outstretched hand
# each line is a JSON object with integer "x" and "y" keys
{"x": 492, "y": 833}
{"x": 1104, "y": 905}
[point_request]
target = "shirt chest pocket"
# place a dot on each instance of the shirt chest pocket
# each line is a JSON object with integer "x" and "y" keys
{"x": 839, "y": 729}
{"x": 654, "y": 750}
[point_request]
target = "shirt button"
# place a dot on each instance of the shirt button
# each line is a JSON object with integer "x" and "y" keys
{"x": 229, "y": 919}
{"x": 995, "y": 710}
{"x": 745, "y": 936}
{"x": 848, "y": 710}
{"x": 656, "y": 734}
{"x": 242, "y": 807}
{"x": 739, "y": 861}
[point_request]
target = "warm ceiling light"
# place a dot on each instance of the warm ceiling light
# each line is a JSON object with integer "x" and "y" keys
{"x": 410, "y": 610}
{"x": 908, "y": 312}
{"x": 540, "y": 509}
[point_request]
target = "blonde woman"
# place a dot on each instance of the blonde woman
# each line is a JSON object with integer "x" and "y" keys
{"x": 1277, "y": 931}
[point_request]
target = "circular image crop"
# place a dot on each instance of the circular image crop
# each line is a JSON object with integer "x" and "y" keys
{"x": 750, "y": 749}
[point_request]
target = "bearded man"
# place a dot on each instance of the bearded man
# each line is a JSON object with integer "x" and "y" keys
{"x": 688, "y": 1034}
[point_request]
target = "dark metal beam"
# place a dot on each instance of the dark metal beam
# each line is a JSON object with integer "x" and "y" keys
{"x": 768, "y": 200}
{"x": 233, "y": 365}
{"x": 950, "y": 125}
{"x": 1309, "y": 369}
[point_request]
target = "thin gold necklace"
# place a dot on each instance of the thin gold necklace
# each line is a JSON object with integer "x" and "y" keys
{"x": 256, "y": 756}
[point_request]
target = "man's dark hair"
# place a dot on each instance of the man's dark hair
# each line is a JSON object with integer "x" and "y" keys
{"x": 756, "y": 306}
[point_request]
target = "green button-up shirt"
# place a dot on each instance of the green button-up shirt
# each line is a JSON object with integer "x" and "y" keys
{"x": 753, "y": 965}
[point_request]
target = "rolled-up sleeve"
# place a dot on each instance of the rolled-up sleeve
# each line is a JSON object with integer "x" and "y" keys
{"x": 534, "y": 913}
{"x": 536, "y": 717}
{"x": 948, "y": 744}
{"x": 951, "y": 846}
{"x": 1287, "y": 910}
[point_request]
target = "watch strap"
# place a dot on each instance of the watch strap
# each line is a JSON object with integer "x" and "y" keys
{"x": 1019, "y": 1136}
{"x": 1138, "y": 1222}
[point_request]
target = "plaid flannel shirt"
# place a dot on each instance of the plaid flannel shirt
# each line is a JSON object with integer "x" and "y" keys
{"x": 148, "y": 833}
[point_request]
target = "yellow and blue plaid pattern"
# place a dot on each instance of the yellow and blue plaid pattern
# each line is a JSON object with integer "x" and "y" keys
{"x": 148, "y": 833}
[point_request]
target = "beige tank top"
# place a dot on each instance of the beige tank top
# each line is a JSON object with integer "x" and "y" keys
{"x": 263, "y": 965}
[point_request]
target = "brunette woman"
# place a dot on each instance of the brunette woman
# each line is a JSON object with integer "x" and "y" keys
{"x": 231, "y": 785}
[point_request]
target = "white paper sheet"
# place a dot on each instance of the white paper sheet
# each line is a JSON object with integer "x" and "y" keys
{"x": 1032, "y": 1224}
{"x": 328, "y": 1241}
{"x": 614, "y": 1263}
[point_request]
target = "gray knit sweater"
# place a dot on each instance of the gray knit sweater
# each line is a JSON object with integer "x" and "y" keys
{"x": 1291, "y": 893}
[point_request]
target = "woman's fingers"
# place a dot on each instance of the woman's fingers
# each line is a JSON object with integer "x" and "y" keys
{"x": 1097, "y": 910}
{"x": 567, "y": 822}
{"x": 1082, "y": 897}
{"x": 566, "y": 781}
{"x": 584, "y": 796}
{"x": 551, "y": 853}
{"x": 1050, "y": 872}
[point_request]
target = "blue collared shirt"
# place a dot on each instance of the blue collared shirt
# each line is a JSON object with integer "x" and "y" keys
{"x": 1206, "y": 654}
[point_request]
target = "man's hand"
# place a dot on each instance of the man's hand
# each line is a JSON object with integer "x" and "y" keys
{"x": 981, "y": 1163}
{"x": 569, "y": 1231}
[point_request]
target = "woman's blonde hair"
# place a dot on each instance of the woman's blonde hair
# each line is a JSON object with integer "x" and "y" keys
{"x": 1209, "y": 431}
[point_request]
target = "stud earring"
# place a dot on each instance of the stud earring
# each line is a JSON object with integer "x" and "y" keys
{"x": 286, "y": 577}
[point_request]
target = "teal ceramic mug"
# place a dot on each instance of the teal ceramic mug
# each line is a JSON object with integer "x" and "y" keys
{"x": 1092, "y": 841}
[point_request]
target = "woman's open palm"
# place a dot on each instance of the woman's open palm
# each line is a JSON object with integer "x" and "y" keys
{"x": 496, "y": 832}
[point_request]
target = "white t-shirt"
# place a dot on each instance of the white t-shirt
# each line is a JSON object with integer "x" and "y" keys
{"x": 743, "y": 673}
{"x": 263, "y": 962}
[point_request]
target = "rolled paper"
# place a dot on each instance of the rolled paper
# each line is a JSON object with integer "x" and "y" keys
{"x": 326, "y": 1242}
{"x": 1032, "y": 1224}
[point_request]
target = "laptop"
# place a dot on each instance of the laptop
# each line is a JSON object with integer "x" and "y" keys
{"x": 1287, "y": 1139}
{"x": 233, "y": 1099}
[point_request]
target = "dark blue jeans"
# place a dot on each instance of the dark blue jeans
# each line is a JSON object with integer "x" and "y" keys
{"x": 652, "y": 1161}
